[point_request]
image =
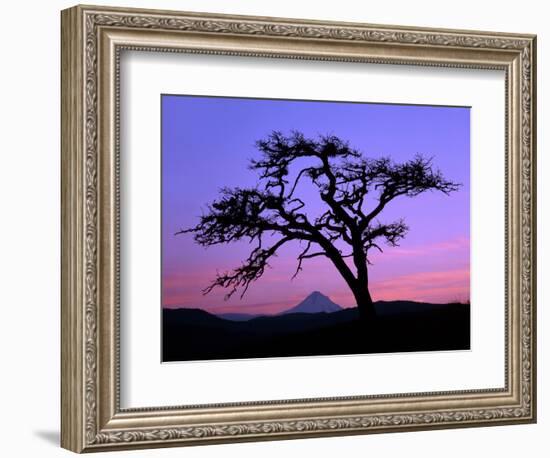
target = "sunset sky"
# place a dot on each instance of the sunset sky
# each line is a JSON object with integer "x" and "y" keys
{"x": 207, "y": 143}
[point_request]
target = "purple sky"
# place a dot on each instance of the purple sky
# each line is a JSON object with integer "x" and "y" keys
{"x": 207, "y": 143}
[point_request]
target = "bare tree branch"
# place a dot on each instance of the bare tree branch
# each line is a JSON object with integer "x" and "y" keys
{"x": 252, "y": 269}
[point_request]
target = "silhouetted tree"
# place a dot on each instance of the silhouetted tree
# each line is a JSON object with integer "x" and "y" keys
{"x": 354, "y": 190}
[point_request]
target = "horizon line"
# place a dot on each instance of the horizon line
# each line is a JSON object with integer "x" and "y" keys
{"x": 163, "y": 307}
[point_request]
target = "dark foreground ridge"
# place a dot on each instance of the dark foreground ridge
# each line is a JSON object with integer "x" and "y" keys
{"x": 401, "y": 326}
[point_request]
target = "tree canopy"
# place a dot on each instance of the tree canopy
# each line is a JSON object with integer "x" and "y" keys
{"x": 354, "y": 190}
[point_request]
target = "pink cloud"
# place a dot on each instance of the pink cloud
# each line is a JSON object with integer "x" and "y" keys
{"x": 447, "y": 286}
{"x": 436, "y": 287}
{"x": 459, "y": 244}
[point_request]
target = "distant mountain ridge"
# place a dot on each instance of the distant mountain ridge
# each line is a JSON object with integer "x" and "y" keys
{"x": 238, "y": 316}
{"x": 316, "y": 302}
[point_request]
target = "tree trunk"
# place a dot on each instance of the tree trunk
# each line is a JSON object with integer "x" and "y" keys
{"x": 360, "y": 286}
{"x": 365, "y": 306}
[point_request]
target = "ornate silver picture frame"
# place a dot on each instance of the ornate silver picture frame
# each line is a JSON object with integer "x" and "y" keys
{"x": 93, "y": 39}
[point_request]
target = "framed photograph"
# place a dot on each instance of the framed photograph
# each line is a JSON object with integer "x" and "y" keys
{"x": 278, "y": 228}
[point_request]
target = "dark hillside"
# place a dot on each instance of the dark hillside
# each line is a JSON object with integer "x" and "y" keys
{"x": 402, "y": 326}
